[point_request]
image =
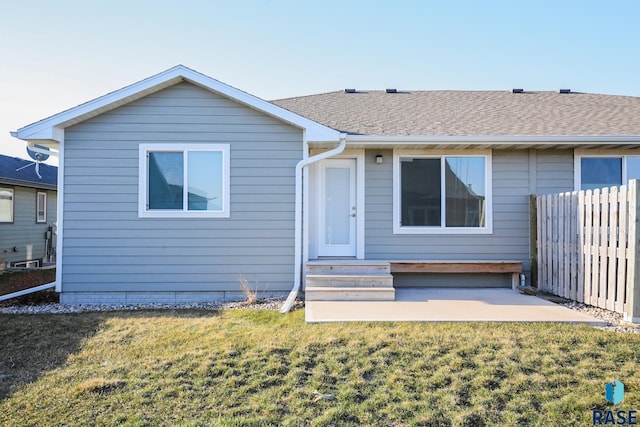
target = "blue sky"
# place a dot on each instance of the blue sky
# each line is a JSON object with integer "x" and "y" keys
{"x": 57, "y": 54}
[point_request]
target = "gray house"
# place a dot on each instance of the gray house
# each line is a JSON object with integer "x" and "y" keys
{"x": 181, "y": 188}
{"x": 28, "y": 200}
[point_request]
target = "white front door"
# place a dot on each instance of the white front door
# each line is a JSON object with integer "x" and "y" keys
{"x": 337, "y": 218}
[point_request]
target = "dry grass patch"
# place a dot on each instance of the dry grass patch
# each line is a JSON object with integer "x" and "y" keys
{"x": 97, "y": 385}
{"x": 257, "y": 367}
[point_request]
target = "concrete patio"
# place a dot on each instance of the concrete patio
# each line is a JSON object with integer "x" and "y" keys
{"x": 448, "y": 305}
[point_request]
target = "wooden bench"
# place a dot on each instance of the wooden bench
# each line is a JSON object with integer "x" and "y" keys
{"x": 507, "y": 267}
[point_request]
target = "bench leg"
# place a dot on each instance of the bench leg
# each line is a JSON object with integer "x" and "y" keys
{"x": 515, "y": 280}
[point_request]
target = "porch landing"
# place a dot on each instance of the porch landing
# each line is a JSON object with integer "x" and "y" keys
{"x": 448, "y": 305}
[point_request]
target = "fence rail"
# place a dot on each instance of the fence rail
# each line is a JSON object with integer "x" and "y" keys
{"x": 587, "y": 247}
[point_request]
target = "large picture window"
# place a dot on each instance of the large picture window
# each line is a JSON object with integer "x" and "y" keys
{"x": 184, "y": 180}
{"x": 6, "y": 205}
{"x": 598, "y": 171}
{"x": 442, "y": 194}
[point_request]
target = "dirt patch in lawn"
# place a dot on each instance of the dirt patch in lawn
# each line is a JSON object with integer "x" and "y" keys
{"x": 14, "y": 281}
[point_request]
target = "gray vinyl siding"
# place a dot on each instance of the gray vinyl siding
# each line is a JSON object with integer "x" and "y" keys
{"x": 24, "y": 233}
{"x": 554, "y": 172}
{"x": 511, "y": 189}
{"x": 107, "y": 248}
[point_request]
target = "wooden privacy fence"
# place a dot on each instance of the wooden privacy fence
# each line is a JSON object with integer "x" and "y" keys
{"x": 588, "y": 247}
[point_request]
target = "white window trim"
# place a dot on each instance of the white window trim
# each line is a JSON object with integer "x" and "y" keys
{"x": 13, "y": 205}
{"x": 144, "y": 149}
{"x": 27, "y": 264}
{"x": 401, "y": 153}
{"x": 38, "y": 219}
{"x": 580, "y": 154}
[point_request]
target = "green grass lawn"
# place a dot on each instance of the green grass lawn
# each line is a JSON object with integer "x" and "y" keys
{"x": 258, "y": 367}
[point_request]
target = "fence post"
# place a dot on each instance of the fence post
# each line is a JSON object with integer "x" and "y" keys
{"x": 632, "y": 304}
{"x": 580, "y": 252}
{"x": 534, "y": 236}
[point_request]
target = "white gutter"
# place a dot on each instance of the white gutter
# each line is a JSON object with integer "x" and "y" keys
{"x": 297, "y": 279}
{"x": 60, "y": 216}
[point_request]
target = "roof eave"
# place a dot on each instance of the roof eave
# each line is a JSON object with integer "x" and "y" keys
{"x": 27, "y": 184}
{"x": 49, "y": 137}
{"x": 494, "y": 141}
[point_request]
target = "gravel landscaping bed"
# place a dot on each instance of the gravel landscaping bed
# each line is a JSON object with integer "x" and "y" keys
{"x": 614, "y": 321}
{"x": 56, "y": 308}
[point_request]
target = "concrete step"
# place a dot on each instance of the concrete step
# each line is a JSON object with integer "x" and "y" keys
{"x": 350, "y": 280}
{"x": 348, "y": 267}
{"x": 313, "y": 293}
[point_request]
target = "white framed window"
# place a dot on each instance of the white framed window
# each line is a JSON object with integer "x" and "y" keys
{"x": 41, "y": 207}
{"x": 27, "y": 264}
{"x": 183, "y": 181}
{"x": 599, "y": 170}
{"x": 6, "y": 204}
{"x": 436, "y": 192}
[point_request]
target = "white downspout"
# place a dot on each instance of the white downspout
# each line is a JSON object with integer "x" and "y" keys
{"x": 297, "y": 279}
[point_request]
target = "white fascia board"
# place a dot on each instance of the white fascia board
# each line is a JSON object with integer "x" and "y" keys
{"x": 50, "y": 136}
{"x": 52, "y": 128}
{"x": 496, "y": 140}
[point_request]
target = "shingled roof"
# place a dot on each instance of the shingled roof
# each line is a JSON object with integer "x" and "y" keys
{"x": 471, "y": 113}
{"x": 26, "y": 177}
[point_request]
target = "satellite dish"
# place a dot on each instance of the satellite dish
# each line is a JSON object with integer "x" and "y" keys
{"x": 38, "y": 156}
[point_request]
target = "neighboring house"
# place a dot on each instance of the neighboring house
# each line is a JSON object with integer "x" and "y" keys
{"x": 181, "y": 188}
{"x": 27, "y": 212}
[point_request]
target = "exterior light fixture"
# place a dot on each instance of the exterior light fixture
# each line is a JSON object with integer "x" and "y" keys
{"x": 379, "y": 159}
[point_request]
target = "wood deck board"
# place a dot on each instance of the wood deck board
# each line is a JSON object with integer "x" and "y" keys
{"x": 456, "y": 267}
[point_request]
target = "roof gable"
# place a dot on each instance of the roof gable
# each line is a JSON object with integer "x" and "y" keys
{"x": 52, "y": 128}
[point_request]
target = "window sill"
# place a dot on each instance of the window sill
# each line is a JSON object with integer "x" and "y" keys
{"x": 442, "y": 231}
{"x": 183, "y": 214}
